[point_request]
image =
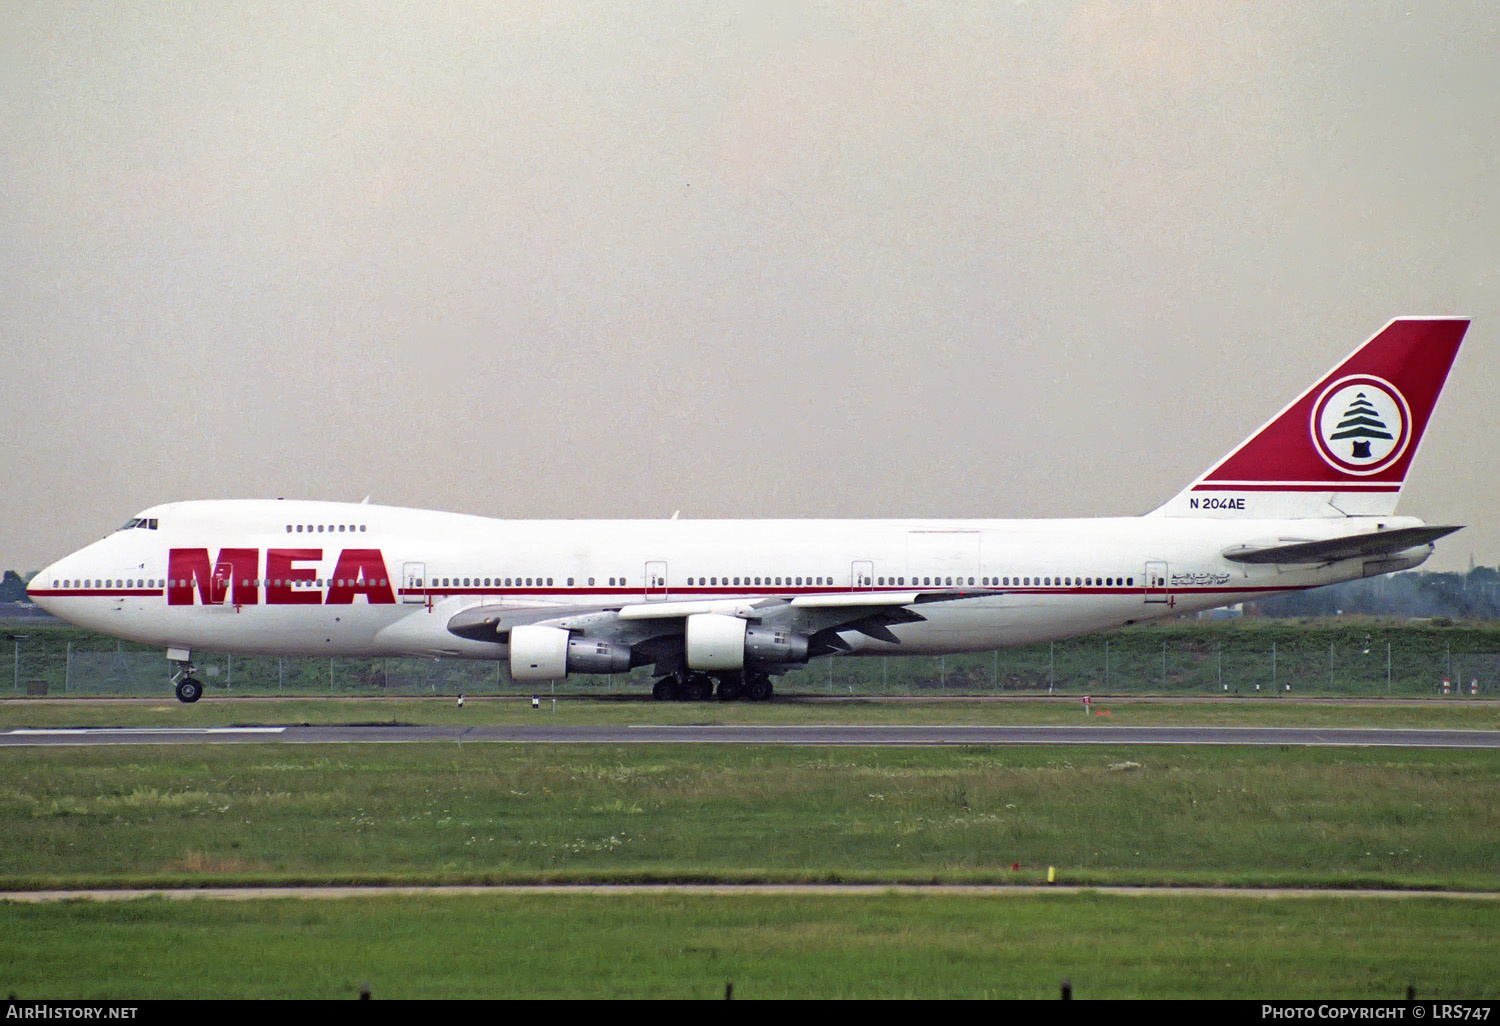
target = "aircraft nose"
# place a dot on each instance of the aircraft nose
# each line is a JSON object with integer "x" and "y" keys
{"x": 39, "y": 588}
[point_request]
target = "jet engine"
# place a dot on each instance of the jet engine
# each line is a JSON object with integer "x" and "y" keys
{"x": 551, "y": 653}
{"x": 716, "y": 641}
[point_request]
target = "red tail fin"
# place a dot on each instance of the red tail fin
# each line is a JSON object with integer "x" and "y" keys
{"x": 1342, "y": 447}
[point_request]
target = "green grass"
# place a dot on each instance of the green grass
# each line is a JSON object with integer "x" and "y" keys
{"x": 448, "y": 813}
{"x": 445, "y": 813}
{"x": 1454, "y": 713}
{"x": 665, "y": 946}
{"x": 488, "y": 812}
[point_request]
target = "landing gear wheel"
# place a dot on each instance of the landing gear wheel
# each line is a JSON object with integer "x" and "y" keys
{"x": 758, "y": 688}
{"x": 731, "y": 687}
{"x": 189, "y": 690}
{"x": 699, "y": 688}
{"x": 665, "y": 690}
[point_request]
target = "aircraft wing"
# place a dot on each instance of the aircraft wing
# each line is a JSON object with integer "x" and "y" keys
{"x": 821, "y": 617}
{"x": 1331, "y": 550}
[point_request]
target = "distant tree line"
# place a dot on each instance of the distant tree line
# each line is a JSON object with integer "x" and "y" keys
{"x": 13, "y": 587}
{"x": 1470, "y": 596}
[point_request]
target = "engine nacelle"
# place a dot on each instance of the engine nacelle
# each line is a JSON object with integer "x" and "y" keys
{"x": 593, "y": 656}
{"x": 538, "y": 653}
{"x": 716, "y": 641}
{"x": 774, "y": 645}
{"x": 551, "y": 653}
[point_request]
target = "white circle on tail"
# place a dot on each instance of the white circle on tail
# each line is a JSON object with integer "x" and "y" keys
{"x": 1361, "y": 424}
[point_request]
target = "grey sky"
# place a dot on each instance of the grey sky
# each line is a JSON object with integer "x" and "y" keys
{"x": 588, "y": 259}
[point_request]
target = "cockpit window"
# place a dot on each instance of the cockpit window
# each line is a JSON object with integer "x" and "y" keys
{"x": 143, "y": 523}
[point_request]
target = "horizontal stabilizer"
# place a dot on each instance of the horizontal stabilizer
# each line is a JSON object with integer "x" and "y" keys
{"x": 1331, "y": 550}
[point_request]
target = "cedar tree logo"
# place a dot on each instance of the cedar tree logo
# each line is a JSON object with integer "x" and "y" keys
{"x": 1361, "y": 424}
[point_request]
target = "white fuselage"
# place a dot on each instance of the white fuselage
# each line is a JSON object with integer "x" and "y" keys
{"x": 319, "y": 579}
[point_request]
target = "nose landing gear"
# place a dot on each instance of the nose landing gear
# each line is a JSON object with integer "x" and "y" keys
{"x": 188, "y": 689}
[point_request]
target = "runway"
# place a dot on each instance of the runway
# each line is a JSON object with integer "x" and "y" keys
{"x": 853, "y": 736}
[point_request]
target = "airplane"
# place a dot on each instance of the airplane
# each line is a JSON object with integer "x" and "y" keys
{"x": 719, "y": 607}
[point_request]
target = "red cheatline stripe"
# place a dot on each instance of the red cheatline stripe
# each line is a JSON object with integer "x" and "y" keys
{"x": 95, "y": 592}
{"x": 732, "y": 592}
{"x": 678, "y": 593}
{"x": 729, "y": 592}
{"x": 1297, "y": 486}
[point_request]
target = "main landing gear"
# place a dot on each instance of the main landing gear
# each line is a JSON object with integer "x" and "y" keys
{"x": 188, "y": 688}
{"x": 699, "y": 687}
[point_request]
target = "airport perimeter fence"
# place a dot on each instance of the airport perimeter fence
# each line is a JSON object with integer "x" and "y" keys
{"x": 1111, "y": 665}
